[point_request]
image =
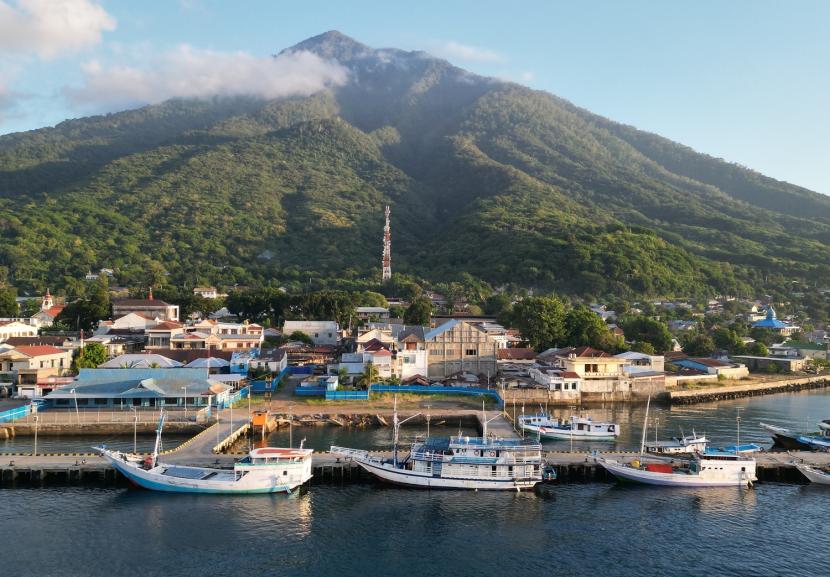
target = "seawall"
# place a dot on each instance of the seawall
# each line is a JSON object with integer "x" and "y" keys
{"x": 727, "y": 392}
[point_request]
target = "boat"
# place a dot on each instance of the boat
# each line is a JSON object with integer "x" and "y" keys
{"x": 578, "y": 428}
{"x": 711, "y": 468}
{"x": 814, "y": 474}
{"x": 458, "y": 462}
{"x": 744, "y": 449}
{"x": 685, "y": 445}
{"x": 784, "y": 438}
{"x": 263, "y": 470}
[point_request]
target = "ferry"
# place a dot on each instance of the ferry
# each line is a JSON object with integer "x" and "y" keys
{"x": 264, "y": 470}
{"x": 685, "y": 445}
{"x": 578, "y": 428}
{"x": 710, "y": 469}
{"x": 459, "y": 462}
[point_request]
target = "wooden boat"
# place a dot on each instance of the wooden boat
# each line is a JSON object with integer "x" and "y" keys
{"x": 460, "y": 462}
{"x": 784, "y": 438}
{"x": 578, "y": 428}
{"x": 710, "y": 470}
{"x": 814, "y": 474}
{"x": 685, "y": 445}
{"x": 265, "y": 470}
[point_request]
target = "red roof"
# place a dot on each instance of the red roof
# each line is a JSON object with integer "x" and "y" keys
{"x": 54, "y": 311}
{"x": 382, "y": 353}
{"x": 710, "y": 362}
{"x": 570, "y": 375}
{"x": 516, "y": 354}
{"x": 166, "y": 326}
{"x": 39, "y": 350}
{"x": 581, "y": 352}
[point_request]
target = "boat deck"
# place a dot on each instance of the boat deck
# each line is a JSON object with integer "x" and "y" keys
{"x": 199, "y": 474}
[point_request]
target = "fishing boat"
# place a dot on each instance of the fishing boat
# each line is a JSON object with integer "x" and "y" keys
{"x": 786, "y": 439}
{"x": 744, "y": 449}
{"x": 264, "y": 470}
{"x": 578, "y": 428}
{"x": 814, "y": 474}
{"x": 459, "y": 462}
{"x": 685, "y": 445}
{"x": 711, "y": 468}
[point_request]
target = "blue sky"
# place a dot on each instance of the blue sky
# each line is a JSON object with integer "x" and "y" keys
{"x": 745, "y": 80}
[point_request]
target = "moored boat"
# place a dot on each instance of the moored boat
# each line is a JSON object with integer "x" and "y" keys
{"x": 814, "y": 474}
{"x": 577, "y": 428}
{"x": 719, "y": 469}
{"x": 685, "y": 445}
{"x": 459, "y": 462}
{"x": 264, "y": 470}
{"x": 784, "y": 438}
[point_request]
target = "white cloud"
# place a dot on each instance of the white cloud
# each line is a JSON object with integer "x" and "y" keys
{"x": 191, "y": 73}
{"x": 527, "y": 76}
{"x": 49, "y": 28}
{"x": 457, "y": 51}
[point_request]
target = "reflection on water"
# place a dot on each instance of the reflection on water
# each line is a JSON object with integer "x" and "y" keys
{"x": 372, "y": 529}
{"x": 84, "y": 443}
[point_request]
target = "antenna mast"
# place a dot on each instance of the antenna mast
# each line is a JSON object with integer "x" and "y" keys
{"x": 387, "y": 249}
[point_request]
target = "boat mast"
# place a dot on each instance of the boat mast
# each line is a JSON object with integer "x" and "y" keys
{"x": 645, "y": 428}
{"x": 158, "y": 437}
{"x": 396, "y": 426}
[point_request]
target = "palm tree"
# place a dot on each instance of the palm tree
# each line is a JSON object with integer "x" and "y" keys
{"x": 370, "y": 375}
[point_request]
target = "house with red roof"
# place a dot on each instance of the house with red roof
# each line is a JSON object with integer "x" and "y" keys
{"x": 31, "y": 366}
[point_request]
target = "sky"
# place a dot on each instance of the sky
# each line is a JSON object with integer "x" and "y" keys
{"x": 744, "y": 80}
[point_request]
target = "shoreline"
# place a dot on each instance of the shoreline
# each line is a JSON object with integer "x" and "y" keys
{"x": 729, "y": 392}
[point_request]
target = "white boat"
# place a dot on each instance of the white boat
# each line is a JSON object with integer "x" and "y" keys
{"x": 265, "y": 470}
{"x": 578, "y": 428}
{"x": 460, "y": 462}
{"x": 814, "y": 474}
{"x": 710, "y": 470}
{"x": 685, "y": 445}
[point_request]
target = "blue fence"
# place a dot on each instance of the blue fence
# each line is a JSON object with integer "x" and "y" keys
{"x": 310, "y": 391}
{"x": 272, "y": 385}
{"x": 423, "y": 390}
{"x": 237, "y": 396}
{"x": 16, "y": 413}
{"x": 347, "y": 395}
{"x": 306, "y": 370}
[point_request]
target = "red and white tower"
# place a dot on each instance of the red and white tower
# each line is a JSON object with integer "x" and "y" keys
{"x": 387, "y": 250}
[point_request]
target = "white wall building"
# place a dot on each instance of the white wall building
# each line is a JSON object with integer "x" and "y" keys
{"x": 321, "y": 332}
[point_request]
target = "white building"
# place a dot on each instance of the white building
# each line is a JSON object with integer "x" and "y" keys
{"x": 321, "y": 332}
{"x": 16, "y": 328}
{"x": 641, "y": 362}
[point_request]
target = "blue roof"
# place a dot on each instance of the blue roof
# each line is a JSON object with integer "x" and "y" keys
{"x": 771, "y": 322}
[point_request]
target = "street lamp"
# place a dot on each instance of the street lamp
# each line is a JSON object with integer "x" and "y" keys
{"x": 34, "y": 451}
{"x": 77, "y": 412}
{"x": 290, "y": 425}
{"x": 135, "y": 430}
{"x": 185, "y": 402}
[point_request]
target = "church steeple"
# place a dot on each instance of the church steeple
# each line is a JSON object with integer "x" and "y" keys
{"x": 47, "y": 302}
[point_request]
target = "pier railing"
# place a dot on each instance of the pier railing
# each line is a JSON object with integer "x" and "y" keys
{"x": 15, "y": 414}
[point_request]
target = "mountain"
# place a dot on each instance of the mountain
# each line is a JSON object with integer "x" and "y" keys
{"x": 485, "y": 177}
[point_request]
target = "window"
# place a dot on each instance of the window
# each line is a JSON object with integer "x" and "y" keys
{"x": 470, "y": 352}
{"x": 62, "y": 402}
{"x": 101, "y": 401}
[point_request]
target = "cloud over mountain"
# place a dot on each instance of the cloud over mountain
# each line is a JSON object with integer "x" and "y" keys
{"x": 188, "y": 72}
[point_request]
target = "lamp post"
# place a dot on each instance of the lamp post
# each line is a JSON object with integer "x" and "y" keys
{"x": 34, "y": 450}
{"x": 185, "y": 402}
{"x": 77, "y": 412}
{"x": 135, "y": 430}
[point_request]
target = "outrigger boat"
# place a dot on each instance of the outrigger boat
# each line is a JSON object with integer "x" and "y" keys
{"x": 460, "y": 462}
{"x": 265, "y": 470}
{"x": 712, "y": 468}
{"x": 578, "y": 428}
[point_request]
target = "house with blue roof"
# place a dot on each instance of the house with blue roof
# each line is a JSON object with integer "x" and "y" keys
{"x": 771, "y": 323}
{"x": 140, "y": 388}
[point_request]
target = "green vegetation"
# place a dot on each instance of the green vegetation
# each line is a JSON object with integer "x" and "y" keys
{"x": 490, "y": 184}
{"x": 89, "y": 357}
{"x": 418, "y": 312}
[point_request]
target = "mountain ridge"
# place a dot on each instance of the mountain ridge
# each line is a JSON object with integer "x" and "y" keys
{"x": 488, "y": 178}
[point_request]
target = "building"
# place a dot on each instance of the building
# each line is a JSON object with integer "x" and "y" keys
{"x": 798, "y": 349}
{"x": 641, "y": 362}
{"x": 16, "y": 328}
{"x": 372, "y": 313}
{"x": 321, "y": 332}
{"x": 565, "y": 384}
{"x": 212, "y": 335}
{"x": 602, "y": 375}
{"x": 141, "y": 361}
{"x": 48, "y": 313}
{"x": 150, "y": 307}
{"x": 272, "y": 360}
{"x": 717, "y": 367}
{"x": 765, "y": 364}
{"x": 771, "y": 323}
{"x": 160, "y": 335}
{"x": 103, "y": 388}
{"x": 29, "y": 365}
{"x": 459, "y": 346}
{"x": 208, "y": 292}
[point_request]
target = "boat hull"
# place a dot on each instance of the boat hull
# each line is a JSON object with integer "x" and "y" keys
{"x": 629, "y": 474}
{"x": 408, "y": 478}
{"x": 153, "y": 480}
{"x": 788, "y": 441}
{"x": 814, "y": 475}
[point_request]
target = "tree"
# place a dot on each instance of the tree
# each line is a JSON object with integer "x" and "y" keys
{"x": 419, "y": 312}
{"x": 89, "y": 357}
{"x": 85, "y": 313}
{"x": 642, "y": 329}
{"x": 301, "y": 337}
{"x": 758, "y": 349}
{"x": 725, "y": 338}
{"x": 541, "y": 321}
{"x": 643, "y": 347}
{"x": 8, "y": 304}
{"x": 369, "y": 376}
{"x": 584, "y": 327}
{"x": 700, "y": 345}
